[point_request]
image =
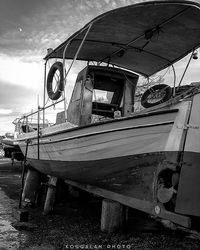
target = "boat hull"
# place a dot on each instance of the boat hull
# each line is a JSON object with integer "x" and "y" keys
{"x": 132, "y": 176}
{"x": 120, "y": 138}
{"x": 124, "y": 157}
{"x": 128, "y": 175}
{"x": 12, "y": 149}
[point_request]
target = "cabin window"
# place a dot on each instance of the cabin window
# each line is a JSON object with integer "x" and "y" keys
{"x": 102, "y": 96}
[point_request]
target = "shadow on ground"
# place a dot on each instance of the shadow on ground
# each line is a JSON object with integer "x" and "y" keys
{"x": 75, "y": 224}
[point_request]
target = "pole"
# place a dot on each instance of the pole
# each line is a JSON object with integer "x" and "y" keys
{"x": 38, "y": 131}
{"x": 66, "y": 73}
{"x": 23, "y": 174}
{"x": 44, "y": 92}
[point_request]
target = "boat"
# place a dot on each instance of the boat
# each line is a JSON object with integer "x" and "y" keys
{"x": 11, "y": 147}
{"x": 146, "y": 159}
{"x": 10, "y": 141}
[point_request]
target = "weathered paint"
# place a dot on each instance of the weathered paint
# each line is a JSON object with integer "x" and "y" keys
{"x": 188, "y": 201}
{"x": 124, "y": 156}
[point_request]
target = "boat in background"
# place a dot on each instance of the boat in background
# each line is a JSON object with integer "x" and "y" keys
{"x": 24, "y": 124}
{"x": 147, "y": 159}
{"x": 11, "y": 147}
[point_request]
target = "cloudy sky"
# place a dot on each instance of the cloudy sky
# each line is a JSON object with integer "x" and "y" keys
{"x": 27, "y": 29}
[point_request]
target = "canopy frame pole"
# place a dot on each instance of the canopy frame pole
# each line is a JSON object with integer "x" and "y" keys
{"x": 186, "y": 69}
{"x": 75, "y": 57}
{"x": 174, "y": 87}
{"x": 44, "y": 91}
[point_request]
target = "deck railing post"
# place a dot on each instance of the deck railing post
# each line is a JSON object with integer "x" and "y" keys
{"x": 38, "y": 133}
{"x": 44, "y": 91}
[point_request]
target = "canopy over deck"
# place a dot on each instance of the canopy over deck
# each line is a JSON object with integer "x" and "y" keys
{"x": 144, "y": 38}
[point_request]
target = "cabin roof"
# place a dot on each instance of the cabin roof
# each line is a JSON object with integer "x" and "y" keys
{"x": 144, "y": 38}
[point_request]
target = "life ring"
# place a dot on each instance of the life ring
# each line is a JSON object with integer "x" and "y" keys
{"x": 55, "y": 94}
{"x": 161, "y": 88}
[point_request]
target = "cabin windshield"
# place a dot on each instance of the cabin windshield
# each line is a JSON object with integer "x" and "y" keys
{"x": 102, "y": 96}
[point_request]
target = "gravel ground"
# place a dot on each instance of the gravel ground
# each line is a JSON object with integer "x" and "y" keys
{"x": 75, "y": 224}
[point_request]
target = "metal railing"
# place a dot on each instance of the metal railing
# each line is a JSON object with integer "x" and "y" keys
{"x": 42, "y": 109}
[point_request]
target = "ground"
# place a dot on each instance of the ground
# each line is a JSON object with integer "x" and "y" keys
{"x": 75, "y": 224}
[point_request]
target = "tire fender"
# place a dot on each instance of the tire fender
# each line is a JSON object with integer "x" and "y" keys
{"x": 166, "y": 97}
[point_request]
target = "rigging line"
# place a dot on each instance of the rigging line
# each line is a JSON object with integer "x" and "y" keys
{"x": 157, "y": 77}
{"x": 165, "y": 72}
{"x": 143, "y": 35}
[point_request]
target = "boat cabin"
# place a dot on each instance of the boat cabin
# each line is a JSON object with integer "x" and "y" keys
{"x": 117, "y": 89}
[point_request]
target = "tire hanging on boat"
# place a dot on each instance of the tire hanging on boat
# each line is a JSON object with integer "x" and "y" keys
{"x": 163, "y": 88}
{"x": 55, "y": 94}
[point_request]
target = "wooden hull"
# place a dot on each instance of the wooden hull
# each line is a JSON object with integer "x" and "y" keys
{"x": 110, "y": 140}
{"x": 125, "y": 156}
{"x": 128, "y": 175}
{"x": 132, "y": 176}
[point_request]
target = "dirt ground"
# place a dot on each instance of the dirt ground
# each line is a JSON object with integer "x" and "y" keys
{"x": 75, "y": 224}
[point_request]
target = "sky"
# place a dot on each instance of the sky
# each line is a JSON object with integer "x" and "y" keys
{"x": 27, "y": 29}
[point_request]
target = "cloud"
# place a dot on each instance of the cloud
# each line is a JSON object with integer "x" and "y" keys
{"x": 14, "y": 101}
{"x": 18, "y": 71}
{"x": 17, "y": 98}
{"x": 37, "y": 25}
{"x": 5, "y": 111}
{"x": 27, "y": 29}
{"x": 6, "y": 125}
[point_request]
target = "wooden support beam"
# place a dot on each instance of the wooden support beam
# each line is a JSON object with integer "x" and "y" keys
{"x": 31, "y": 187}
{"x": 142, "y": 205}
{"x": 113, "y": 216}
{"x": 50, "y": 197}
{"x": 179, "y": 219}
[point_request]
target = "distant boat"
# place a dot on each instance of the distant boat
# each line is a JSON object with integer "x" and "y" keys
{"x": 148, "y": 160}
{"x": 11, "y": 147}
